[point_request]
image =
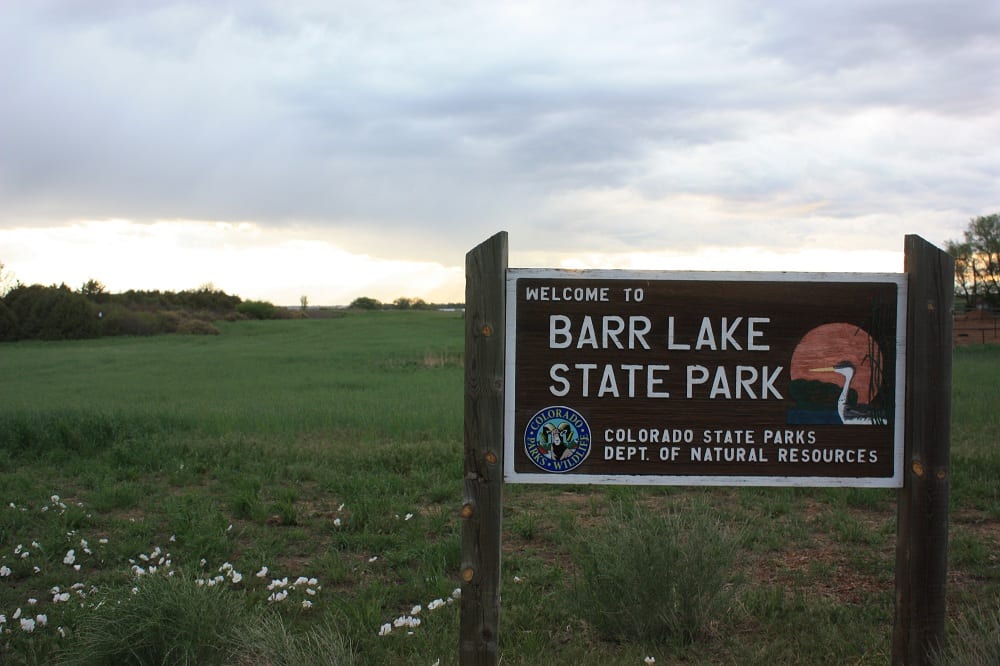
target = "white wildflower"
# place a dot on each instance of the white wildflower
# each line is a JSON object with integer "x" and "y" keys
{"x": 406, "y": 621}
{"x": 416, "y": 610}
{"x": 236, "y": 577}
{"x": 311, "y": 592}
{"x": 5, "y": 571}
{"x": 649, "y": 660}
{"x": 102, "y": 540}
{"x": 434, "y": 605}
{"x": 260, "y": 574}
{"x": 54, "y": 499}
{"x": 70, "y": 557}
{"x": 408, "y": 516}
{"x": 313, "y": 582}
{"x": 32, "y": 601}
{"x": 60, "y": 597}
{"x": 27, "y": 624}
{"x": 456, "y": 593}
{"x": 385, "y": 629}
{"x": 372, "y": 558}
{"x": 306, "y": 604}
{"x": 16, "y": 614}
{"x": 42, "y": 619}
{"x": 336, "y": 522}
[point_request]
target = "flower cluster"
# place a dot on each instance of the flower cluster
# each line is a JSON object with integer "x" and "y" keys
{"x": 153, "y": 562}
{"x": 281, "y": 587}
{"x": 410, "y": 621}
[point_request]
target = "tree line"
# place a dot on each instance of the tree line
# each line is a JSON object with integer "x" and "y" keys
{"x": 977, "y": 262}
{"x": 57, "y": 312}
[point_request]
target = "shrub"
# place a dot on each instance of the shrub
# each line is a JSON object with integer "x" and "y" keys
{"x": 366, "y": 303}
{"x": 51, "y": 313}
{"x": 257, "y": 309}
{"x": 269, "y": 643}
{"x": 649, "y": 577}
{"x": 8, "y": 323}
{"x": 161, "y": 620}
{"x": 118, "y": 320}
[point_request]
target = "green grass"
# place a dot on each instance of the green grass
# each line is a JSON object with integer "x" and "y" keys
{"x": 332, "y": 450}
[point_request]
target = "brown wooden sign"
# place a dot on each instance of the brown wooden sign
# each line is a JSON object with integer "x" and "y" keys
{"x": 704, "y": 378}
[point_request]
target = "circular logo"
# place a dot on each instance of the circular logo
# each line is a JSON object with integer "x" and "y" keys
{"x": 557, "y": 439}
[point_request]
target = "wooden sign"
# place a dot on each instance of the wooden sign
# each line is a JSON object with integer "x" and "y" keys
{"x": 704, "y": 378}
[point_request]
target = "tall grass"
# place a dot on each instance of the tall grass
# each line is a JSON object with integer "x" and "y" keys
{"x": 332, "y": 449}
{"x": 650, "y": 577}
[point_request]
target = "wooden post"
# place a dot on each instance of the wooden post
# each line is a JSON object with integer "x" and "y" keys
{"x": 485, "y": 330}
{"x": 922, "y": 521}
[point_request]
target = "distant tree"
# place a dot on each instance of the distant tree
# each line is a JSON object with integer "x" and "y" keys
{"x": 403, "y": 303}
{"x": 366, "y": 303}
{"x": 51, "y": 313}
{"x": 8, "y": 323}
{"x": 419, "y": 304}
{"x": 965, "y": 276}
{"x": 94, "y": 290}
{"x": 257, "y": 309}
{"x": 977, "y": 260}
{"x": 303, "y": 301}
{"x": 7, "y": 280}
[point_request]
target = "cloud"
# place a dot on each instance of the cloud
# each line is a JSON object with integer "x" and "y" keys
{"x": 414, "y": 131}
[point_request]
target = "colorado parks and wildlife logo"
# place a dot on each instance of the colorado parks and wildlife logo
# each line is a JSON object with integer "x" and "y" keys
{"x": 557, "y": 439}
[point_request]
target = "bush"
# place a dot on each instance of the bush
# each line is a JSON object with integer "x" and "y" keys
{"x": 366, "y": 303}
{"x": 257, "y": 309}
{"x": 269, "y": 643}
{"x": 51, "y": 313}
{"x": 162, "y": 620}
{"x": 648, "y": 577}
{"x": 119, "y": 320}
{"x": 8, "y": 323}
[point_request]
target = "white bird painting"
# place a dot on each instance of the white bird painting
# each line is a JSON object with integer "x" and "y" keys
{"x": 859, "y": 414}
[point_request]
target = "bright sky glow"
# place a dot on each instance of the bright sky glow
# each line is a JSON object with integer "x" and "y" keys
{"x": 334, "y": 150}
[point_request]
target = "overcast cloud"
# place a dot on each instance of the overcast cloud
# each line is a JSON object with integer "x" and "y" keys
{"x": 413, "y": 130}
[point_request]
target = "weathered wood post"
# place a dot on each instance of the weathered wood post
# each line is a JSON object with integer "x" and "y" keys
{"x": 922, "y": 522}
{"x": 485, "y": 316}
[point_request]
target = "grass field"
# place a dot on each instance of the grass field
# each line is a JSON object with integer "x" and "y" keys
{"x": 146, "y": 483}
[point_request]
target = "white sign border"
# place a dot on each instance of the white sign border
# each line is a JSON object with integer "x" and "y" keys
{"x": 510, "y": 440}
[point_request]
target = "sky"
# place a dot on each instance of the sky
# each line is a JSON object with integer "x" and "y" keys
{"x": 335, "y": 149}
